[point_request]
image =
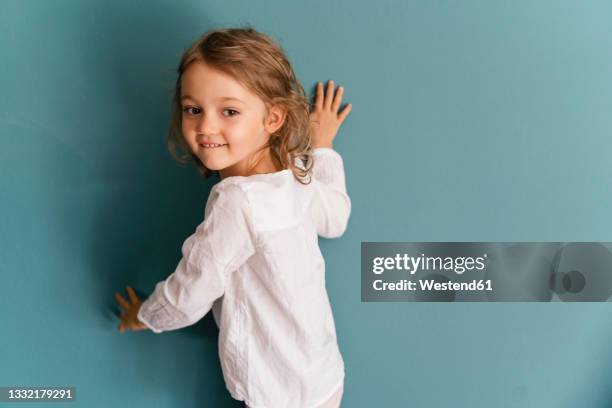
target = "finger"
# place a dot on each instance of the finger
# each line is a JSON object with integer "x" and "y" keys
{"x": 345, "y": 112}
{"x": 337, "y": 99}
{"x": 124, "y": 303}
{"x": 133, "y": 298}
{"x": 329, "y": 94}
{"x": 319, "y": 96}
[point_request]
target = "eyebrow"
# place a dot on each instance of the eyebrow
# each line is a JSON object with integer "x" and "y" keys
{"x": 222, "y": 99}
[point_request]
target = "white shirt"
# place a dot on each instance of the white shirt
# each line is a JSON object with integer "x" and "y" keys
{"x": 255, "y": 260}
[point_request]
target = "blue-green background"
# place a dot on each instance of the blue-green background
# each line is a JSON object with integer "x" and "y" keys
{"x": 472, "y": 121}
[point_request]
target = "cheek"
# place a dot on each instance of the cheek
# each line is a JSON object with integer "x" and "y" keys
{"x": 187, "y": 126}
{"x": 243, "y": 133}
{"x": 235, "y": 129}
{"x": 188, "y": 134}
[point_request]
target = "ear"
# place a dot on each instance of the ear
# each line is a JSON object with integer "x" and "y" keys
{"x": 275, "y": 119}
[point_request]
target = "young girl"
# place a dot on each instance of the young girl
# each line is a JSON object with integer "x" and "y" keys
{"x": 255, "y": 259}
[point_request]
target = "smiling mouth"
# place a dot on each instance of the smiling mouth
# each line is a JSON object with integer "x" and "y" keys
{"x": 212, "y": 145}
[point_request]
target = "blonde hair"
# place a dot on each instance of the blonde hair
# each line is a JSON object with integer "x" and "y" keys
{"x": 260, "y": 65}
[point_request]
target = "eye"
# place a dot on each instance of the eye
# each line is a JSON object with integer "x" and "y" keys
{"x": 186, "y": 110}
{"x": 234, "y": 112}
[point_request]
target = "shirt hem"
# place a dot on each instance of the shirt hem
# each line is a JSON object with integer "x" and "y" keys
{"x": 316, "y": 405}
{"x": 336, "y": 388}
{"x": 237, "y": 397}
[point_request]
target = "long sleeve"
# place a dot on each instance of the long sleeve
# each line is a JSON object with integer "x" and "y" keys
{"x": 332, "y": 205}
{"x": 219, "y": 245}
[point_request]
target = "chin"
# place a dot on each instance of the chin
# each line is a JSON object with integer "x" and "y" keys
{"x": 214, "y": 165}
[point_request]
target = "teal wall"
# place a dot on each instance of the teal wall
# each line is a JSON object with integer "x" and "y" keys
{"x": 472, "y": 121}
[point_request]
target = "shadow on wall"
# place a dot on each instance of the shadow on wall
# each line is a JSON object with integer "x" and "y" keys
{"x": 148, "y": 203}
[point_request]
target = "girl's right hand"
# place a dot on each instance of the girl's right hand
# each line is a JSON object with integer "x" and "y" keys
{"x": 324, "y": 118}
{"x": 129, "y": 315}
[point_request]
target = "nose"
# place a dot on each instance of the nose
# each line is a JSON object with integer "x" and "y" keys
{"x": 207, "y": 124}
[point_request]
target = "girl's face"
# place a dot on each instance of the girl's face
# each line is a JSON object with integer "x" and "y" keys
{"x": 224, "y": 124}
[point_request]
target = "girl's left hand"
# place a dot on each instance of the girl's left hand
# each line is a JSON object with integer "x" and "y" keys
{"x": 325, "y": 120}
{"x": 129, "y": 319}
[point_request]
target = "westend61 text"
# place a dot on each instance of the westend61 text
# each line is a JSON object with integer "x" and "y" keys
{"x": 430, "y": 284}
